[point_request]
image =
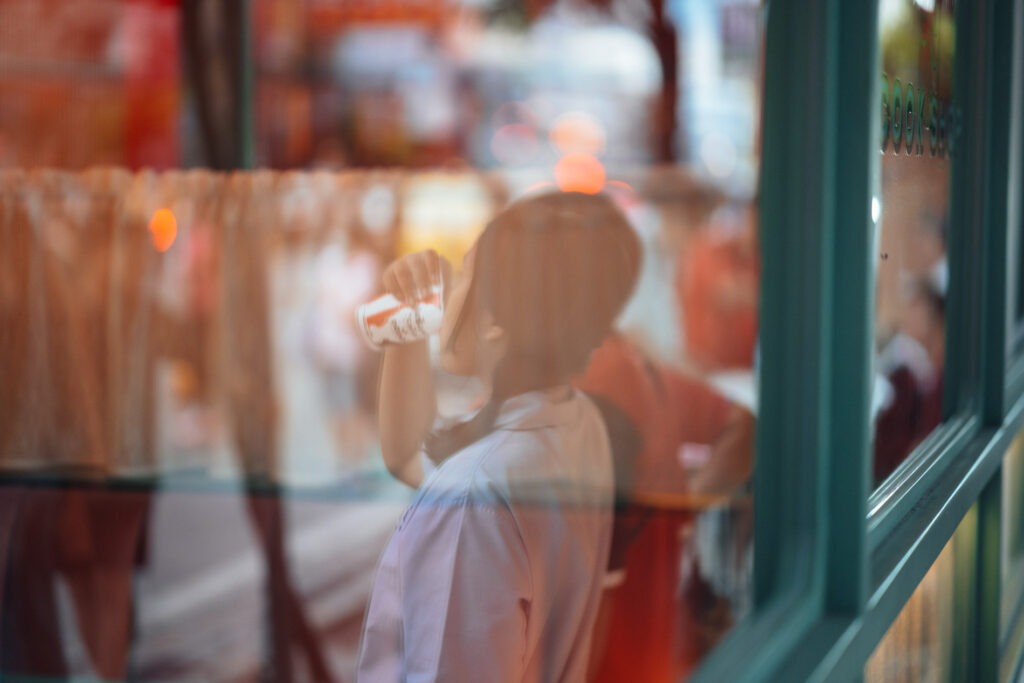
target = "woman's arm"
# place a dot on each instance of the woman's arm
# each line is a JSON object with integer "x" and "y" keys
{"x": 406, "y": 409}
{"x": 406, "y": 403}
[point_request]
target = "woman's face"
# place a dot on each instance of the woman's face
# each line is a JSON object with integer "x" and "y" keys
{"x": 461, "y": 356}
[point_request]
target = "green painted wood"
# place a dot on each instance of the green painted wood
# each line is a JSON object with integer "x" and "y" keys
{"x": 817, "y": 316}
{"x": 989, "y": 66}
{"x": 755, "y": 648}
{"x": 987, "y": 594}
{"x": 1015, "y": 375}
{"x": 897, "y": 497}
{"x": 1018, "y": 672}
{"x": 829, "y": 638}
{"x": 1011, "y": 659}
{"x": 901, "y": 560}
{"x": 796, "y": 203}
{"x": 969, "y": 152}
{"x": 999, "y": 44}
{"x": 1015, "y": 208}
{"x": 798, "y": 165}
{"x": 963, "y": 658}
{"x": 852, "y": 313}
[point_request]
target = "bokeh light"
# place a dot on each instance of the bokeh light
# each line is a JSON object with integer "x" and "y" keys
{"x": 719, "y": 154}
{"x": 579, "y": 172}
{"x": 577, "y": 132}
{"x": 163, "y": 229}
{"x": 514, "y": 144}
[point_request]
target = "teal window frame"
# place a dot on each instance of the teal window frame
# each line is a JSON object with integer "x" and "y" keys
{"x": 1011, "y": 640}
{"x": 831, "y": 573}
{"x": 1015, "y": 217}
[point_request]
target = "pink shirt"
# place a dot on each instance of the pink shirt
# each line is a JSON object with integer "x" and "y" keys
{"x": 495, "y": 571}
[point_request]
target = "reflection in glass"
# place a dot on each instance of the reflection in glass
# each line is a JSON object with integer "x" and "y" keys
{"x": 1012, "y": 533}
{"x": 100, "y": 85}
{"x": 919, "y": 644}
{"x": 192, "y": 423}
{"x": 919, "y": 131}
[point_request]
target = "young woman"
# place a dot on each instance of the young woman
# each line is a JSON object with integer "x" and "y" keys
{"x": 495, "y": 570}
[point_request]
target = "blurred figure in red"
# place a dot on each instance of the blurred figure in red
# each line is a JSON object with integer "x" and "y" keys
{"x": 690, "y": 447}
{"x": 679, "y": 447}
{"x": 717, "y": 285}
{"x": 912, "y": 362}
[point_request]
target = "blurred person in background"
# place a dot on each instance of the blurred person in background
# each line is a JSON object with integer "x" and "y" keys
{"x": 194, "y": 375}
{"x": 69, "y": 555}
{"x": 693, "y": 446}
{"x": 496, "y": 569}
{"x": 347, "y": 273}
{"x": 912, "y": 362}
{"x": 717, "y": 285}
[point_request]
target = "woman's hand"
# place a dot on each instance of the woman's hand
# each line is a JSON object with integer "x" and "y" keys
{"x": 413, "y": 277}
{"x": 406, "y": 401}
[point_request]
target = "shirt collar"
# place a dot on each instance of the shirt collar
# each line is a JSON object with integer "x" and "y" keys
{"x": 539, "y": 409}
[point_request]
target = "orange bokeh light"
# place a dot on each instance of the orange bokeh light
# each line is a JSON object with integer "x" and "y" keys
{"x": 577, "y": 132}
{"x": 579, "y": 173}
{"x": 163, "y": 229}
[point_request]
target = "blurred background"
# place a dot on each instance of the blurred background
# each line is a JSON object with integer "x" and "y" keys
{"x": 195, "y": 196}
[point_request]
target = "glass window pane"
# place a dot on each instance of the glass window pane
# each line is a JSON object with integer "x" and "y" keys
{"x": 1012, "y": 533}
{"x": 513, "y": 99}
{"x": 90, "y": 83}
{"x": 1014, "y": 291}
{"x": 919, "y": 645}
{"x": 1017, "y": 293}
{"x": 193, "y": 439}
{"x": 919, "y": 131}
{"x": 1015, "y": 211}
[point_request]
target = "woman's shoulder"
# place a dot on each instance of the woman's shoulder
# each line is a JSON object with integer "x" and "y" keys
{"x": 539, "y": 449}
{"x": 468, "y": 472}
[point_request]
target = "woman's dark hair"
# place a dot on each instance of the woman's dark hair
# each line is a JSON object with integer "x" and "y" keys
{"x": 553, "y": 271}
